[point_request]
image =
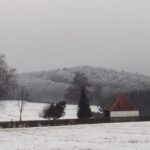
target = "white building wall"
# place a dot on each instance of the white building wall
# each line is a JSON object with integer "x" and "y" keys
{"x": 124, "y": 114}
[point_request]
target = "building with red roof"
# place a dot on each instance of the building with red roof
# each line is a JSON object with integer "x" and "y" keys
{"x": 120, "y": 106}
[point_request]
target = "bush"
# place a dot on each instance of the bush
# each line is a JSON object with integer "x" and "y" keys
{"x": 54, "y": 111}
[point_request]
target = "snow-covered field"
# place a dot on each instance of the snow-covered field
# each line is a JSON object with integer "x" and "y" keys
{"x": 9, "y": 111}
{"x": 117, "y": 136}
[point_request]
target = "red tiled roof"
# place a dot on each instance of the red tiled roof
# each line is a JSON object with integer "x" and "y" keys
{"x": 120, "y": 103}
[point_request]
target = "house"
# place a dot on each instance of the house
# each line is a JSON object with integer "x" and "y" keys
{"x": 121, "y": 107}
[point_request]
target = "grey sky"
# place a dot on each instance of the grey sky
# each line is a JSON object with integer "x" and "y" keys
{"x": 44, "y": 34}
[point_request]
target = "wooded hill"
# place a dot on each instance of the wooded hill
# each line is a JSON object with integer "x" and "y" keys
{"x": 45, "y": 86}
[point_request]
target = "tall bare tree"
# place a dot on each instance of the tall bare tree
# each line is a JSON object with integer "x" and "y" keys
{"x": 75, "y": 88}
{"x": 6, "y": 74}
{"x": 22, "y": 96}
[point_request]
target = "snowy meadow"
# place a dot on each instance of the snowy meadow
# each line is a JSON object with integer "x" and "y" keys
{"x": 10, "y": 111}
{"x": 117, "y": 136}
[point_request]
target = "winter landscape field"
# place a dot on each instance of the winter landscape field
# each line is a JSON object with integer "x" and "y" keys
{"x": 117, "y": 136}
{"x": 9, "y": 111}
{"x": 80, "y": 61}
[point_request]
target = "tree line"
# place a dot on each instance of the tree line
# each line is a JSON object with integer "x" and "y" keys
{"x": 80, "y": 91}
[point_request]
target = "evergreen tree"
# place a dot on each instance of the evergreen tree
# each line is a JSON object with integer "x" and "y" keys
{"x": 84, "y": 110}
{"x": 54, "y": 111}
{"x": 48, "y": 111}
{"x": 60, "y": 109}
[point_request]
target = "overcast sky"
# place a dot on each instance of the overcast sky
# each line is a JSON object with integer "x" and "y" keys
{"x": 45, "y": 34}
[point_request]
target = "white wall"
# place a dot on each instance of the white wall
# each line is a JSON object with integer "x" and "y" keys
{"x": 124, "y": 114}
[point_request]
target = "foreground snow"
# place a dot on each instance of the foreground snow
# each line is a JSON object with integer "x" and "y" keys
{"x": 9, "y": 111}
{"x": 117, "y": 136}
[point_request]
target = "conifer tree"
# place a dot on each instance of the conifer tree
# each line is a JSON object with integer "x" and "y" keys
{"x": 84, "y": 110}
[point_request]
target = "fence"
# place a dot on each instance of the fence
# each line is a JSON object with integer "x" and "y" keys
{"x": 42, "y": 123}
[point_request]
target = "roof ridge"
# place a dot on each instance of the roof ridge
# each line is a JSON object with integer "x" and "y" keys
{"x": 120, "y": 102}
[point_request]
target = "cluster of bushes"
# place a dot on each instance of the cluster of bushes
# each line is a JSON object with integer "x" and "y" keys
{"x": 57, "y": 110}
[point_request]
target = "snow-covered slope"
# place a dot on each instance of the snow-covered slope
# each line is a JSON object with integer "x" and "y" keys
{"x": 9, "y": 111}
{"x": 117, "y": 136}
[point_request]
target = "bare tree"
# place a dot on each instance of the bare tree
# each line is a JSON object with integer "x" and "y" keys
{"x": 74, "y": 91}
{"x": 23, "y": 96}
{"x": 6, "y": 75}
{"x": 96, "y": 93}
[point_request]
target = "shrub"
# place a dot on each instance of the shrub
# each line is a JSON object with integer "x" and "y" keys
{"x": 54, "y": 111}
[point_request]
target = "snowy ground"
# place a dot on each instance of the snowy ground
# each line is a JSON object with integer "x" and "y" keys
{"x": 9, "y": 111}
{"x": 117, "y": 136}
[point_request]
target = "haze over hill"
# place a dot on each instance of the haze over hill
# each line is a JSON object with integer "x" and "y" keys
{"x": 51, "y": 85}
{"x": 41, "y": 34}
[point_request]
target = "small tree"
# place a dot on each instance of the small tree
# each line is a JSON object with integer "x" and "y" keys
{"x": 22, "y": 96}
{"x": 48, "y": 111}
{"x": 54, "y": 111}
{"x": 84, "y": 110}
{"x": 60, "y": 109}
